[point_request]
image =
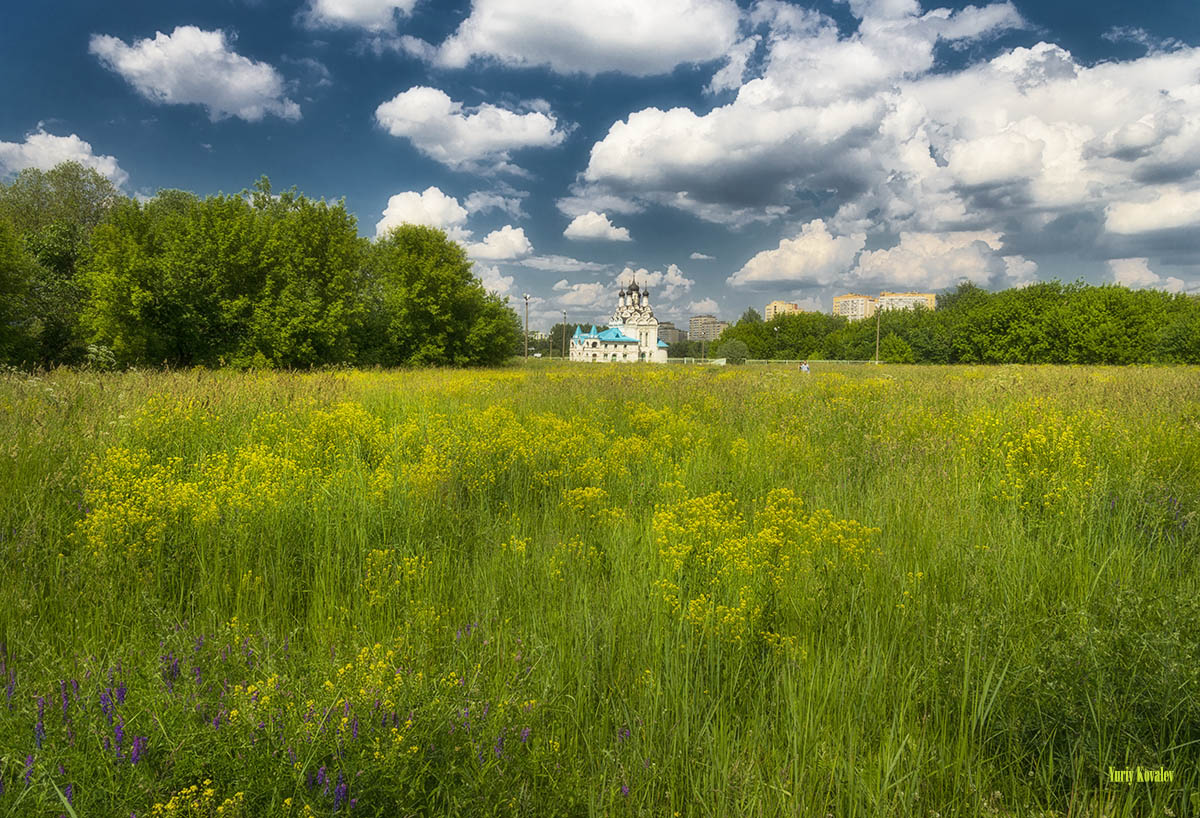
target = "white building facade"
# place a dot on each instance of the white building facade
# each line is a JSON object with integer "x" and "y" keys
{"x": 633, "y": 335}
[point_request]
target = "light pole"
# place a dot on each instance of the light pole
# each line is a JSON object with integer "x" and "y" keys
{"x": 526, "y": 327}
{"x": 564, "y": 335}
{"x": 777, "y": 341}
{"x": 876, "y": 336}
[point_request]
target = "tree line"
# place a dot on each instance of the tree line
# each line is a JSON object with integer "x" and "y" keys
{"x": 1046, "y": 323}
{"x": 256, "y": 279}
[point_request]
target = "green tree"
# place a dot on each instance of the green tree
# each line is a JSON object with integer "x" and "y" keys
{"x": 751, "y": 316}
{"x": 15, "y": 271}
{"x": 307, "y": 294}
{"x": 734, "y": 351}
{"x": 895, "y": 350}
{"x": 55, "y": 211}
{"x": 436, "y": 311}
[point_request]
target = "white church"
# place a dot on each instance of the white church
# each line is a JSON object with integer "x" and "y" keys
{"x": 633, "y": 335}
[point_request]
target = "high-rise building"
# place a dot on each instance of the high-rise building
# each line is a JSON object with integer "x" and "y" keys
{"x": 854, "y": 306}
{"x": 705, "y": 327}
{"x": 779, "y": 308}
{"x": 906, "y": 301}
{"x": 669, "y": 333}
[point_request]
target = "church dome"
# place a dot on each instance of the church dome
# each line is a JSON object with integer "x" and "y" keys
{"x": 633, "y": 288}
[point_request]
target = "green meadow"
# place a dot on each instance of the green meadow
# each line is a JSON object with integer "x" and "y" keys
{"x": 578, "y": 591}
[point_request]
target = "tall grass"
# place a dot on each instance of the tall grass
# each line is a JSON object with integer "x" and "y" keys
{"x": 600, "y": 591}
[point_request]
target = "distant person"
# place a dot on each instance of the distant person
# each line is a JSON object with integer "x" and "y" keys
{"x": 804, "y": 366}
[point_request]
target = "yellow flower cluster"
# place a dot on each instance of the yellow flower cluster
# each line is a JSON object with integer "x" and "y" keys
{"x": 200, "y": 801}
{"x": 734, "y": 580}
{"x": 386, "y": 572}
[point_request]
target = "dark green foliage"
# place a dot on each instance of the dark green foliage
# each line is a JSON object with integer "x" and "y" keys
{"x": 15, "y": 269}
{"x": 894, "y": 350}
{"x": 750, "y": 316}
{"x": 1044, "y": 323}
{"x": 54, "y": 213}
{"x": 734, "y": 351}
{"x": 434, "y": 310}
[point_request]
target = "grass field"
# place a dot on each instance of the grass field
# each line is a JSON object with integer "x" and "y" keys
{"x": 562, "y": 590}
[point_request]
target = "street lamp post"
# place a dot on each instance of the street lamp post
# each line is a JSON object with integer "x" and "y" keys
{"x": 564, "y": 335}
{"x": 526, "y": 327}
{"x": 877, "y": 336}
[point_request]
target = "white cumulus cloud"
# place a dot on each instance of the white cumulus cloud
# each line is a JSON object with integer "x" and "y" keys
{"x": 494, "y": 281}
{"x": 1136, "y": 274}
{"x": 462, "y": 138}
{"x": 698, "y": 256}
{"x": 43, "y": 151}
{"x": 1163, "y": 209}
{"x": 372, "y": 15}
{"x": 934, "y": 261}
{"x": 593, "y": 225}
{"x": 580, "y": 36}
{"x": 431, "y": 208}
{"x": 814, "y": 258}
{"x": 504, "y": 244}
{"x": 191, "y": 66}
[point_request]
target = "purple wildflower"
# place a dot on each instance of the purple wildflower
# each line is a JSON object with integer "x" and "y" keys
{"x": 525, "y": 735}
{"x": 28, "y": 770}
{"x": 121, "y": 693}
{"x": 321, "y": 776}
{"x": 12, "y": 686}
{"x": 499, "y": 748}
{"x": 217, "y": 720}
{"x": 624, "y": 789}
{"x": 354, "y": 727}
{"x": 69, "y": 792}
{"x": 196, "y": 674}
{"x": 62, "y": 689}
{"x": 138, "y": 749}
{"x": 106, "y": 703}
{"x": 339, "y": 793}
{"x": 39, "y": 729}
{"x": 623, "y": 734}
{"x": 119, "y": 734}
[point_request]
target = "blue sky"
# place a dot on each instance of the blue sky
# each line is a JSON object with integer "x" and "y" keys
{"x": 726, "y": 153}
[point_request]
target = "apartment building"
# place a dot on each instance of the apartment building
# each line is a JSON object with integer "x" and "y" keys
{"x": 779, "y": 308}
{"x": 854, "y": 306}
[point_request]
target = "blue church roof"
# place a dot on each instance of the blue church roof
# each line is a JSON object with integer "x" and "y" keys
{"x": 663, "y": 345}
{"x": 614, "y": 334}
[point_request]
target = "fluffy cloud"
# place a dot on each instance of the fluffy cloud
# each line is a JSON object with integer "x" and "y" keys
{"x": 504, "y": 244}
{"x": 585, "y": 199}
{"x": 668, "y": 284}
{"x": 580, "y": 36}
{"x": 191, "y": 66}
{"x": 561, "y": 264}
{"x": 703, "y": 306}
{"x": 865, "y": 130}
{"x": 483, "y": 201}
{"x": 431, "y": 207}
{"x": 1135, "y": 273}
{"x": 493, "y": 281}
{"x": 700, "y": 257}
{"x": 935, "y": 261}
{"x": 372, "y": 15}
{"x": 466, "y": 138}
{"x": 593, "y": 295}
{"x": 814, "y": 258}
{"x": 1166, "y": 208}
{"x": 593, "y": 225}
{"x": 43, "y": 151}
